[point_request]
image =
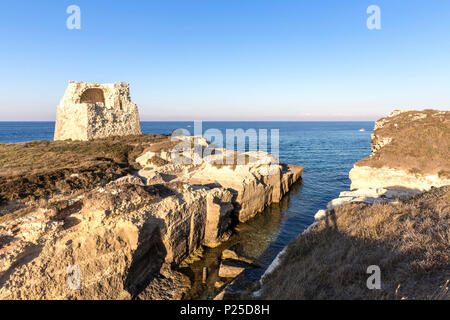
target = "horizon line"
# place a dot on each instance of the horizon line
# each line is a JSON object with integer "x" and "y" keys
{"x": 37, "y": 121}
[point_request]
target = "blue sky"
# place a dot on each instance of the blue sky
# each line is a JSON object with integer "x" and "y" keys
{"x": 229, "y": 59}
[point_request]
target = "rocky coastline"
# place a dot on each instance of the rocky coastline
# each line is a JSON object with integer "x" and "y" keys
{"x": 122, "y": 236}
{"x": 375, "y": 182}
{"x": 390, "y": 176}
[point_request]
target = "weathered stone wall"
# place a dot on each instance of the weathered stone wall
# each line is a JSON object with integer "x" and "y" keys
{"x": 90, "y": 110}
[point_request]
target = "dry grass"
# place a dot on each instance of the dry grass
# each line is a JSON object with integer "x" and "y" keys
{"x": 419, "y": 144}
{"x": 36, "y": 156}
{"x": 41, "y": 169}
{"x": 165, "y": 145}
{"x": 409, "y": 241}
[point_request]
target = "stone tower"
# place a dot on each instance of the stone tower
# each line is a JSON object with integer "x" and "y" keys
{"x": 90, "y": 110}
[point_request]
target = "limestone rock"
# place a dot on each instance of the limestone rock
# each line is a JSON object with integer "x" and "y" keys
{"x": 368, "y": 177}
{"x": 231, "y": 255}
{"x": 220, "y": 296}
{"x": 234, "y": 290}
{"x": 321, "y": 214}
{"x": 369, "y": 196}
{"x": 123, "y": 237}
{"x": 344, "y": 200}
{"x": 90, "y": 110}
{"x": 219, "y": 284}
{"x": 381, "y": 183}
{"x": 120, "y": 241}
{"x": 219, "y": 217}
{"x": 409, "y": 151}
{"x": 172, "y": 285}
{"x": 256, "y": 183}
{"x": 230, "y": 270}
{"x": 151, "y": 176}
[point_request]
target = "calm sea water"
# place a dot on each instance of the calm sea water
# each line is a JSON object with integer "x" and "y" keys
{"x": 327, "y": 150}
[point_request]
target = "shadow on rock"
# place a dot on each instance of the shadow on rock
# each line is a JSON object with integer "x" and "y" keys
{"x": 148, "y": 259}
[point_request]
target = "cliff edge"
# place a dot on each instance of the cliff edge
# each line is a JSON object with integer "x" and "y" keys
{"x": 396, "y": 218}
{"x": 410, "y": 150}
{"x": 113, "y": 218}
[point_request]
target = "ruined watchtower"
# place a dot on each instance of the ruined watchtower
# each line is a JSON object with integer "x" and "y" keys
{"x": 91, "y": 110}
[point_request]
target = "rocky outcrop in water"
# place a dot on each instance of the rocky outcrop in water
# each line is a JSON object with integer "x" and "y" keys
{"x": 410, "y": 155}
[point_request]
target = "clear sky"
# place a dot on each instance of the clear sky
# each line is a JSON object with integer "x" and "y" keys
{"x": 229, "y": 59}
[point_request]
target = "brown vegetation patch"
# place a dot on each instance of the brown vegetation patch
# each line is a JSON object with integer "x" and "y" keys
{"x": 41, "y": 169}
{"x": 60, "y": 181}
{"x": 409, "y": 241}
{"x": 166, "y": 145}
{"x": 444, "y": 174}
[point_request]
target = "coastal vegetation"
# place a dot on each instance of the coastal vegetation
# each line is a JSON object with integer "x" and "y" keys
{"x": 396, "y": 218}
{"x": 409, "y": 240}
{"x": 39, "y": 169}
{"x": 415, "y": 141}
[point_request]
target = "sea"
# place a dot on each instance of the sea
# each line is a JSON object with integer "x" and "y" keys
{"x": 327, "y": 150}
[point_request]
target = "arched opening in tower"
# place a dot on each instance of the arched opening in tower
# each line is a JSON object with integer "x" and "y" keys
{"x": 93, "y": 95}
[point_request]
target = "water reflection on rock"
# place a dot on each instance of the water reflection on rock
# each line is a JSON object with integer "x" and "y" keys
{"x": 252, "y": 240}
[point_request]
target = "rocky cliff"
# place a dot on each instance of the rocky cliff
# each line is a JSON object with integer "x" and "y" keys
{"x": 406, "y": 240}
{"x": 410, "y": 154}
{"x": 113, "y": 218}
{"x": 395, "y": 217}
{"x": 410, "y": 150}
